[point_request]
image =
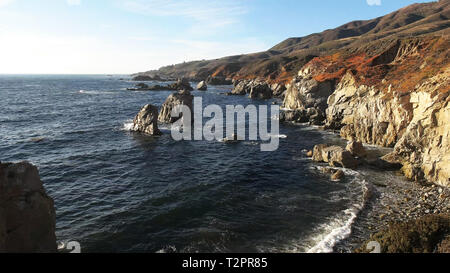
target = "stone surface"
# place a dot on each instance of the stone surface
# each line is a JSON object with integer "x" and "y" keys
{"x": 146, "y": 121}
{"x": 27, "y": 213}
{"x": 338, "y": 175}
{"x": 334, "y": 155}
{"x": 260, "y": 91}
{"x": 179, "y": 98}
{"x": 356, "y": 148}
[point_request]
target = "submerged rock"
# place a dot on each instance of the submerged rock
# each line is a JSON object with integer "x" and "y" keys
{"x": 27, "y": 213}
{"x": 338, "y": 175}
{"x": 180, "y": 98}
{"x": 202, "y": 86}
{"x": 146, "y": 120}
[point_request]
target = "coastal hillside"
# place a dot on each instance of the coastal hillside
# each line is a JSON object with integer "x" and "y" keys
{"x": 283, "y": 61}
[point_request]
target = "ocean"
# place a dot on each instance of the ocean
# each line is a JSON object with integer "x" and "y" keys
{"x": 120, "y": 191}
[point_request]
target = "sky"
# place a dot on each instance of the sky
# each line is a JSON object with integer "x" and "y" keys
{"x": 128, "y": 36}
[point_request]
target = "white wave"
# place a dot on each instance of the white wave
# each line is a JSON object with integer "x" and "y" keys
{"x": 95, "y": 92}
{"x": 339, "y": 228}
{"x": 127, "y": 125}
{"x": 279, "y": 136}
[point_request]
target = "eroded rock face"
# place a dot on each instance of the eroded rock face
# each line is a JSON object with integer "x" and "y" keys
{"x": 146, "y": 120}
{"x": 260, "y": 91}
{"x": 27, "y": 213}
{"x": 424, "y": 148}
{"x": 356, "y": 148}
{"x": 202, "y": 86}
{"x": 306, "y": 93}
{"x": 278, "y": 89}
{"x": 180, "y": 98}
{"x": 365, "y": 114}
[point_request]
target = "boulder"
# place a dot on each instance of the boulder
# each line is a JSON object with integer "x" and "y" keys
{"x": 356, "y": 148}
{"x": 338, "y": 175}
{"x": 179, "y": 98}
{"x": 260, "y": 91}
{"x": 146, "y": 120}
{"x": 27, "y": 213}
{"x": 309, "y": 153}
{"x": 202, "y": 86}
{"x": 181, "y": 84}
{"x": 334, "y": 155}
{"x": 241, "y": 88}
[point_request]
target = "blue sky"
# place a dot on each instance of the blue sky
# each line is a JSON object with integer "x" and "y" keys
{"x": 127, "y": 36}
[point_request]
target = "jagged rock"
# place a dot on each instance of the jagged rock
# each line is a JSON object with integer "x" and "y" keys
{"x": 181, "y": 84}
{"x": 142, "y": 78}
{"x": 146, "y": 120}
{"x": 27, "y": 213}
{"x": 278, "y": 89}
{"x": 242, "y": 88}
{"x": 356, "y": 148}
{"x": 294, "y": 116}
{"x": 260, "y": 91}
{"x": 306, "y": 93}
{"x": 180, "y": 98}
{"x": 334, "y": 155}
{"x": 338, "y": 175}
{"x": 202, "y": 86}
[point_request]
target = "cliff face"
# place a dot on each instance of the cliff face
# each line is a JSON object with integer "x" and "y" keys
{"x": 398, "y": 98}
{"x": 27, "y": 214}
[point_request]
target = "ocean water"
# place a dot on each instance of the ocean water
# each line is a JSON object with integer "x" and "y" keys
{"x": 119, "y": 191}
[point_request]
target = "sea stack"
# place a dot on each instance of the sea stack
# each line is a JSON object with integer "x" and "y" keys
{"x": 146, "y": 121}
{"x": 27, "y": 213}
{"x": 180, "y": 98}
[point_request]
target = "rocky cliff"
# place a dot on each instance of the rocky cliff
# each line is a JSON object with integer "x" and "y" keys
{"x": 398, "y": 98}
{"x": 27, "y": 213}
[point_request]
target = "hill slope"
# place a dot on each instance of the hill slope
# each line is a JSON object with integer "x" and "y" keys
{"x": 281, "y": 62}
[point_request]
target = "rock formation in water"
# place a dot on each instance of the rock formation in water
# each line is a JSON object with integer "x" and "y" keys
{"x": 202, "y": 86}
{"x": 27, "y": 213}
{"x": 146, "y": 121}
{"x": 179, "y": 98}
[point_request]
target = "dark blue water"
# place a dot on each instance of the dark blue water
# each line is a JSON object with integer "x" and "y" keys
{"x": 119, "y": 191}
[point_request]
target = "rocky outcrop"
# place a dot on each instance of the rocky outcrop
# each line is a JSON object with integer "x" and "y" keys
{"x": 334, "y": 155}
{"x": 202, "y": 86}
{"x": 142, "y": 78}
{"x": 146, "y": 121}
{"x": 180, "y": 98}
{"x": 27, "y": 213}
{"x": 260, "y": 91}
{"x": 366, "y": 114}
{"x": 357, "y": 149}
{"x": 181, "y": 84}
{"x": 278, "y": 90}
{"x": 424, "y": 147}
{"x": 308, "y": 95}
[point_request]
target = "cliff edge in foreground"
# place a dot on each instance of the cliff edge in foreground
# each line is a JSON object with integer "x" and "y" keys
{"x": 27, "y": 213}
